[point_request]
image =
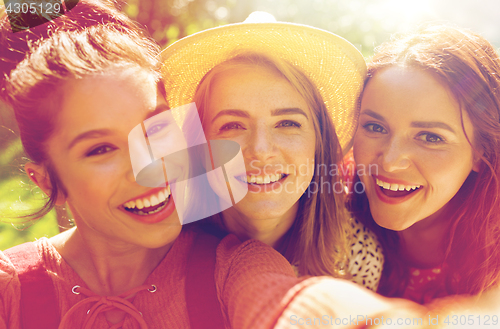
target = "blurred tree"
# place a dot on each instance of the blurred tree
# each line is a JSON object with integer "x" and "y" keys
{"x": 170, "y": 20}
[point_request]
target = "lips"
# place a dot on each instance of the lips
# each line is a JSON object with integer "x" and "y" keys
{"x": 153, "y": 207}
{"x": 149, "y": 204}
{"x": 262, "y": 183}
{"x": 392, "y": 191}
{"x": 261, "y": 179}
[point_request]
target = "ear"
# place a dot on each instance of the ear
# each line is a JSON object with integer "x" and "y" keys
{"x": 38, "y": 175}
{"x": 477, "y": 163}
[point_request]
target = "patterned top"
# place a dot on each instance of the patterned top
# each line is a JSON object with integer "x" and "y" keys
{"x": 366, "y": 258}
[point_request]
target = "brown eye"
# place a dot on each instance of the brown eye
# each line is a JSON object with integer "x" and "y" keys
{"x": 430, "y": 138}
{"x": 374, "y": 128}
{"x": 100, "y": 150}
{"x": 230, "y": 126}
{"x": 289, "y": 123}
{"x": 155, "y": 129}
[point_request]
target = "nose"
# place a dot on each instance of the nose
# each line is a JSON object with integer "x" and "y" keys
{"x": 396, "y": 155}
{"x": 261, "y": 145}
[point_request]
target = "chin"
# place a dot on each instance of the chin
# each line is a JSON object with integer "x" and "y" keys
{"x": 164, "y": 237}
{"x": 393, "y": 225}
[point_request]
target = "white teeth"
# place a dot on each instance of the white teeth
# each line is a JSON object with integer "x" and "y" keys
{"x": 395, "y": 187}
{"x": 154, "y": 200}
{"x": 161, "y": 196}
{"x": 151, "y": 201}
{"x": 263, "y": 179}
{"x": 139, "y": 204}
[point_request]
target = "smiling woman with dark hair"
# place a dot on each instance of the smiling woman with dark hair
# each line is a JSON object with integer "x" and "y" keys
{"x": 430, "y": 122}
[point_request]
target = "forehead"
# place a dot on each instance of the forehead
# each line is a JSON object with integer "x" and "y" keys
{"x": 100, "y": 100}
{"x": 403, "y": 95}
{"x": 252, "y": 85}
{"x": 410, "y": 92}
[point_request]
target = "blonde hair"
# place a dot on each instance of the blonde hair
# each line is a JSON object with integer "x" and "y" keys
{"x": 318, "y": 240}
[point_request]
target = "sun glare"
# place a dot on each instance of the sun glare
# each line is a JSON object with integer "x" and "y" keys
{"x": 410, "y": 10}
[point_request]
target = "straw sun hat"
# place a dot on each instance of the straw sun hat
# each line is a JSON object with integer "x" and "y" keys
{"x": 333, "y": 64}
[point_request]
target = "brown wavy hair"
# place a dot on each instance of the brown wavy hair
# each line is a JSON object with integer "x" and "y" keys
{"x": 90, "y": 39}
{"x": 470, "y": 68}
{"x": 318, "y": 239}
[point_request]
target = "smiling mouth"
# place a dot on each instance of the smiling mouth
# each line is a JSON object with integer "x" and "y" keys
{"x": 262, "y": 179}
{"x": 149, "y": 205}
{"x": 396, "y": 190}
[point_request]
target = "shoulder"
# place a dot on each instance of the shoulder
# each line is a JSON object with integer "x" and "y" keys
{"x": 366, "y": 257}
{"x": 232, "y": 253}
{"x": 252, "y": 281}
{"x": 9, "y": 279}
{"x": 10, "y": 285}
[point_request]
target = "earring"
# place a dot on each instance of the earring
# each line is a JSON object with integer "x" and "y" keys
{"x": 32, "y": 173}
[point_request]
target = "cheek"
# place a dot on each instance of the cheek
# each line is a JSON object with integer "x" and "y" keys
{"x": 446, "y": 171}
{"x": 360, "y": 149}
{"x": 93, "y": 183}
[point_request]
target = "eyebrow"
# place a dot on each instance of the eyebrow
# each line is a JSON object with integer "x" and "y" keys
{"x": 97, "y": 133}
{"x": 245, "y": 114}
{"x": 432, "y": 124}
{"x": 160, "y": 108}
{"x": 294, "y": 110}
{"x": 373, "y": 115}
{"x": 235, "y": 113}
{"x": 414, "y": 124}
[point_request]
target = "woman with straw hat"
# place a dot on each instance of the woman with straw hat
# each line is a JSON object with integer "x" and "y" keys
{"x": 287, "y": 94}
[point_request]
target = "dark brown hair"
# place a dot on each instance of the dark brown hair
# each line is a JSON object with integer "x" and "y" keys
{"x": 89, "y": 40}
{"x": 469, "y": 66}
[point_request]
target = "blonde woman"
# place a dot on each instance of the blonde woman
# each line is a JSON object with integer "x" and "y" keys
{"x": 287, "y": 94}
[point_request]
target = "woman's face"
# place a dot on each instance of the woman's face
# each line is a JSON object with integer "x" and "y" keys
{"x": 90, "y": 153}
{"x": 412, "y": 147}
{"x": 271, "y": 121}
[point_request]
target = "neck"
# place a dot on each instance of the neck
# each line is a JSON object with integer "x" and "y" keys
{"x": 424, "y": 243}
{"x": 271, "y": 231}
{"x": 108, "y": 268}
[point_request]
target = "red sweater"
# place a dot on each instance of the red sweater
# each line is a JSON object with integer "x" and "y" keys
{"x": 252, "y": 282}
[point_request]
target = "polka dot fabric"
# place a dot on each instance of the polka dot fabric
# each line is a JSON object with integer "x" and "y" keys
{"x": 366, "y": 258}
